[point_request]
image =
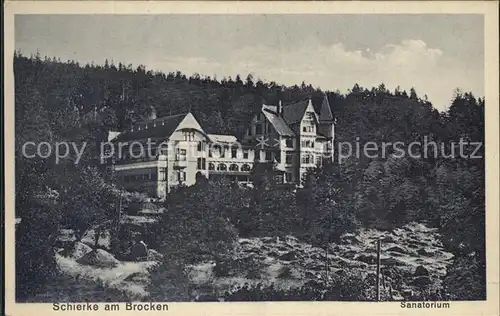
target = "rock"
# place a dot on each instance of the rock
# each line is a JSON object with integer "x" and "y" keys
{"x": 154, "y": 255}
{"x": 104, "y": 239}
{"x": 99, "y": 258}
{"x": 138, "y": 277}
{"x": 285, "y": 272}
{"x": 407, "y": 293}
{"x": 421, "y": 271}
{"x": 267, "y": 240}
{"x": 310, "y": 275}
{"x": 139, "y": 251}
{"x": 273, "y": 253}
{"x": 315, "y": 267}
{"x": 388, "y": 238}
{"x": 350, "y": 238}
{"x": 288, "y": 256}
{"x": 391, "y": 262}
{"x": 425, "y": 252}
{"x": 369, "y": 259}
{"x": 421, "y": 281}
{"x": 79, "y": 250}
{"x": 397, "y": 249}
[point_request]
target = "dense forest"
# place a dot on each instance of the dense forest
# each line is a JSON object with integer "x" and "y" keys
{"x": 65, "y": 101}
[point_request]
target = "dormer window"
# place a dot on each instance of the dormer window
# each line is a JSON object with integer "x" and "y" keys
{"x": 310, "y": 116}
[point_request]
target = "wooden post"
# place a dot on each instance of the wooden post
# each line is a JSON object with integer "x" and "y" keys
{"x": 326, "y": 262}
{"x": 378, "y": 270}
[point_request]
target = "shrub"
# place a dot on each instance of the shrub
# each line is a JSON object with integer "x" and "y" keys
{"x": 169, "y": 281}
{"x": 36, "y": 237}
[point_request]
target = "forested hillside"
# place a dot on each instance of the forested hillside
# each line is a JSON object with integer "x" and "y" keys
{"x": 57, "y": 101}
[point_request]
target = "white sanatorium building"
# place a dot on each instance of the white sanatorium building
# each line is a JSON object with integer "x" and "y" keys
{"x": 289, "y": 138}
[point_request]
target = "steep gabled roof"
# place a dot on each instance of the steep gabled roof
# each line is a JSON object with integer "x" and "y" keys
{"x": 293, "y": 113}
{"x": 325, "y": 114}
{"x": 165, "y": 127}
{"x": 277, "y": 121}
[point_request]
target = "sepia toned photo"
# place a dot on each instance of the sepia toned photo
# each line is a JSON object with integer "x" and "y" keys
{"x": 230, "y": 157}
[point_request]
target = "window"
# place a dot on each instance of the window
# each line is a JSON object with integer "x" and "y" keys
{"x": 289, "y": 142}
{"x": 163, "y": 150}
{"x": 201, "y": 146}
{"x": 181, "y": 154}
{"x": 260, "y": 117}
{"x": 307, "y": 159}
{"x": 308, "y": 144}
{"x": 211, "y": 166}
{"x": 233, "y": 167}
{"x": 258, "y": 129}
{"x": 308, "y": 129}
{"x": 288, "y": 177}
{"x": 266, "y": 127}
{"x": 201, "y": 163}
{"x": 222, "y": 167}
{"x": 162, "y": 174}
{"x": 245, "y": 154}
{"x": 289, "y": 159}
{"x": 268, "y": 155}
{"x": 249, "y": 131}
{"x": 310, "y": 116}
{"x": 318, "y": 160}
{"x": 233, "y": 152}
{"x": 182, "y": 176}
{"x": 189, "y": 136}
{"x": 245, "y": 167}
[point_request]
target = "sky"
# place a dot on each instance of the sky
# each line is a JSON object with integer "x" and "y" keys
{"x": 432, "y": 52}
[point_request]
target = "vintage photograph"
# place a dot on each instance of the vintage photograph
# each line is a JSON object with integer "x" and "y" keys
{"x": 249, "y": 157}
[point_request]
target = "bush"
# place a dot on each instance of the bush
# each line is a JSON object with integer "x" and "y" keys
{"x": 36, "y": 237}
{"x": 466, "y": 279}
{"x": 169, "y": 281}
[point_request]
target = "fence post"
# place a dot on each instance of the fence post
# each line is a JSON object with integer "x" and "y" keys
{"x": 378, "y": 269}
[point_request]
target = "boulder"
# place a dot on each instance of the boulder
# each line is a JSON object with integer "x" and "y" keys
{"x": 425, "y": 252}
{"x": 79, "y": 250}
{"x": 421, "y": 271}
{"x": 391, "y": 262}
{"x": 288, "y": 256}
{"x": 99, "y": 258}
{"x": 273, "y": 253}
{"x": 139, "y": 251}
{"x": 397, "y": 249}
{"x": 138, "y": 278}
{"x": 310, "y": 275}
{"x": 154, "y": 255}
{"x": 369, "y": 259}
{"x": 285, "y": 272}
{"x": 388, "y": 238}
{"x": 421, "y": 281}
{"x": 104, "y": 238}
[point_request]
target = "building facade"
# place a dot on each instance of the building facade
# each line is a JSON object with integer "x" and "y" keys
{"x": 157, "y": 155}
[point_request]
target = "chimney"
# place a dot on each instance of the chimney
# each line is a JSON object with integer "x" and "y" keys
{"x": 280, "y": 108}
